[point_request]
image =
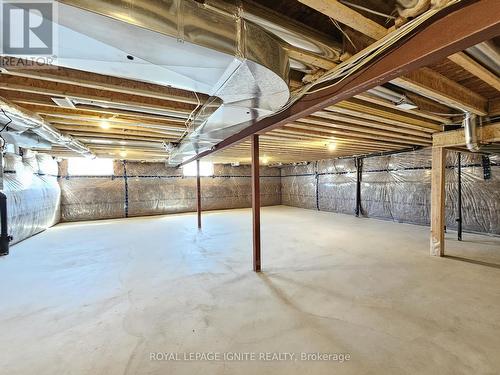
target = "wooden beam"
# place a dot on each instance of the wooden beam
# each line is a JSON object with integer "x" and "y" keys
{"x": 476, "y": 69}
{"x": 342, "y": 13}
{"x": 198, "y": 193}
{"x": 456, "y": 138}
{"x": 441, "y": 89}
{"x": 443, "y": 35}
{"x": 438, "y": 201}
{"x": 256, "y": 203}
{"x": 494, "y": 107}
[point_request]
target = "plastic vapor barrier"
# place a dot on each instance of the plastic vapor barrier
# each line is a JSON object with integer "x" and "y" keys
{"x": 397, "y": 187}
{"x": 480, "y": 196}
{"x": 33, "y": 194}
{"x": 143, "y": 189}
{"x": 298, "y": 186}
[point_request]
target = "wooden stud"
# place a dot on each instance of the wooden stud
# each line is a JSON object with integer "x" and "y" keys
{"x": 438, "y": 201}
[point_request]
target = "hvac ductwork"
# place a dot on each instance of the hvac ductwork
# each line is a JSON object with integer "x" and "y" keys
{"x": 471, "y": 124}
{"x": 21, "y": 122}
{"x": 184, "y": 44}
{"x": 470, "y": 130}
{"x": 488, "y": 54}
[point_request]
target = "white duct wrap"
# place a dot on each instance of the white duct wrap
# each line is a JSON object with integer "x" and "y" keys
{"x": 33, "y": 194}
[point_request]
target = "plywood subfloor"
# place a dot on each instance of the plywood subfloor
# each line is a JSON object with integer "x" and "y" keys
{"x": 99, "y": 297}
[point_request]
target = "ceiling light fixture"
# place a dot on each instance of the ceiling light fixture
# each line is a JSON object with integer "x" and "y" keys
{"x": 104, "y": 124}
{"x": 332, "y": 146}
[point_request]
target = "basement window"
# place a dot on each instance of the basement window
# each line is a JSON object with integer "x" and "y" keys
{"x": 90, "y": 167}
{"x": 206, "y": 169}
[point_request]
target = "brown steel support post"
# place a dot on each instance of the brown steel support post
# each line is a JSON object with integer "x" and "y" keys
{"x": 256, "y": 202}
{"x": 198, "y": 193}
{"x": 438, "y": 200}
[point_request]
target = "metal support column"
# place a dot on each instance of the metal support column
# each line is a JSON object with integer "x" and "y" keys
{"x": 198, "y": 193}
{"x": 359, "y": 174}
{"x": 256, "y": 203}
{"x": 459, "y": 208}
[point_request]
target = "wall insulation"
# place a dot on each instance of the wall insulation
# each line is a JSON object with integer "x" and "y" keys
{"x": 33, "y": 194}
{"x": 142, "y": 189}
{"x": 397, "y": 187}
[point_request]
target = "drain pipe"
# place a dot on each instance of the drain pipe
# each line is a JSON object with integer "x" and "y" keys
{"x": 470, "y": 130}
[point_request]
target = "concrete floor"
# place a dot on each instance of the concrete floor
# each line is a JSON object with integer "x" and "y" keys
{"x": 99, "y": 297}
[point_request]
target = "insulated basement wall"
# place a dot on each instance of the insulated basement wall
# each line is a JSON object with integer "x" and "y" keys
{"x": 33, "y": 194}
{"x": 397, "y": 188}
{"x": 142, "y": 189}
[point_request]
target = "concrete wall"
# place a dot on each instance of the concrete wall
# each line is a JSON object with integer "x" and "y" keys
{"x": 397, "y": 188}
{"x": 142, "y": 189}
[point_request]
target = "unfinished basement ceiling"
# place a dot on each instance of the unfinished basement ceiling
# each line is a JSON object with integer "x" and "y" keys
{"x": 119, "y": 116}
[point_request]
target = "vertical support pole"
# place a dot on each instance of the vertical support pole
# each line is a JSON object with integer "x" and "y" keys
{"x": 437, "y": 200}
{"x": 198, "y": 192}
{"x": 359, "y": 174}
{"x": 1, "y": 166}
{"x": 459, "y": 208}
{"x": 125, "y": 180}
{"x": 256, "y": 203}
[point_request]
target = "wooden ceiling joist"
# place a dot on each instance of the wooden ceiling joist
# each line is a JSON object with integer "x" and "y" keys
{"x": 434, "y": 41}
{"x": 436, "y": 86}
{"x": 476, "y": 69}
{"x": 108, "y": 83}
{"x": 56, "y": 89}
{"x": 425, "y": 81}
{"x": 348, "y": 16}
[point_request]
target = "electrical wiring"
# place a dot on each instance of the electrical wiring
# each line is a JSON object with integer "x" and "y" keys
{"x": 337, "y": 25}
{"x": 367, "y": 9}
{"x": 349, "y": 67}
{"x": 362, "y": 58}
{"x": 4, "y": 127}
{"x": 8, "y": 122}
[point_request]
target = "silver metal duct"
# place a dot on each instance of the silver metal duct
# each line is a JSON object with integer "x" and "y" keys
{"x": 184, "y": 44}
{"x": 470, "y": 130}
{"x": 23, "y": 121}
{"x": 488, "y": 54}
